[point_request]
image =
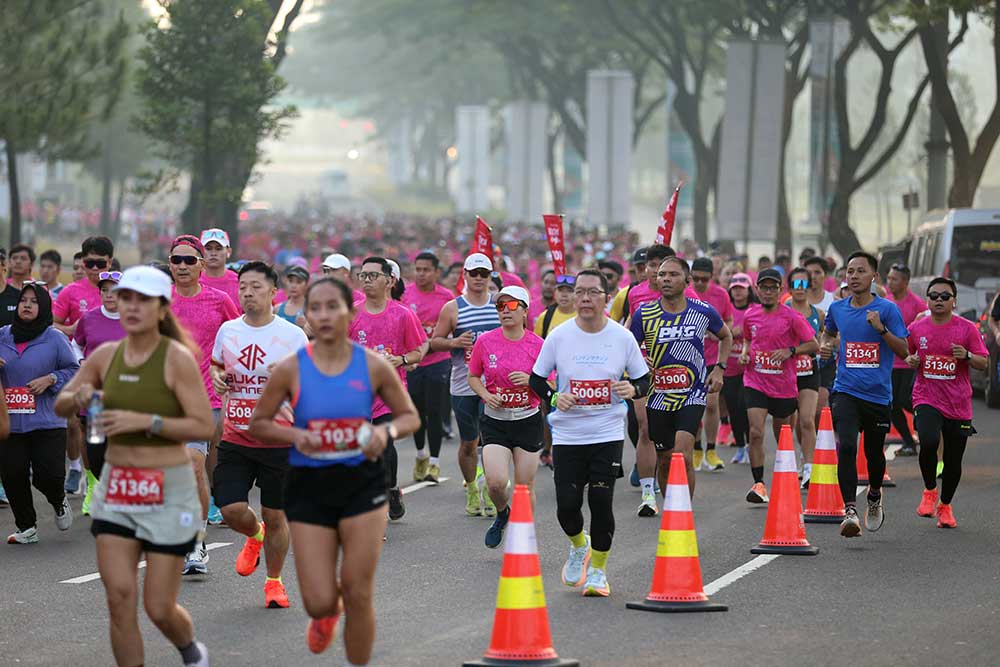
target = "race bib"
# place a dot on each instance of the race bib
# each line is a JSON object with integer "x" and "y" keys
{"x": 939, "y": 367}
{"x": 341, "y": 437}
{"x": 20, "y": 401}
{"x": 428, "y": 328}
{"x": 591, "y": 394}
{"x": 765, "y": 365}
{"x": 134, "y": 490}
{"x": 238, "y": 411}
{"x": 516, "y": 397}
{"x": 672, "y": 380}
{"x": 803, "y": 365}
{"x": 468, "y": 352}
{"x": 384, "y": 350}
{"x": 861, "y": 355}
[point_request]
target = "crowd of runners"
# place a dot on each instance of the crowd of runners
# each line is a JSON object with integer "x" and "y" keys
{"x": 164, "y": 393}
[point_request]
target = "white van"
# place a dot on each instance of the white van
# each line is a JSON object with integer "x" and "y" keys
{"x": 962, "y": 244}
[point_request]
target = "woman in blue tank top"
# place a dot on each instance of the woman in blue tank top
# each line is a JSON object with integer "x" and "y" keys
{"x": 807, "y": 371}
{"x": 335, "y": 489}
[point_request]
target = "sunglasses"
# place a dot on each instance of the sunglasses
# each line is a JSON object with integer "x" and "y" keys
{"x": 768, "y": 287}
{"x": 900, "y": 267}
{"x": 366, "y": 276}
{"x": 800, "y": 284}
{"x": 508, "y": 305}
{"x": 565, "y": 280}
{"x": 177, "y": 260}
{"x": 480, "y": 273}
{"x": 939, "y": 296}
{"x": 95, "y": 263}
{"x": 110, "y": 275}
{"x": 213, "y": 235}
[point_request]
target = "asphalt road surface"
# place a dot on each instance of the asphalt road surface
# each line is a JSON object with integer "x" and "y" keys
{"x": 909, "y": 594}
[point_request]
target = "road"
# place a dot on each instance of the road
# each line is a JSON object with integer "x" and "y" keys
{"x": 909, "y": 594}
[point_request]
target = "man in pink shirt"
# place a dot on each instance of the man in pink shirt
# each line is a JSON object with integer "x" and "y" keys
{"x": 543, "y": 298}
{"x": 912, "y": 308}
{"x": 773, "y": 334}
{"x": 202, "y": 311}
{"x": 428, "y": 382}
{"x": 216, "y": 275}
{"x": 388, "y": 327}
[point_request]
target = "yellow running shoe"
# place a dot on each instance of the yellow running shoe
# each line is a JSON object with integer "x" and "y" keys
{"x": 472, "y": 507}
{"x": 699, "y": 457}
{"x": 433, "y": 474}
{"x": 420, "y": 468}
{"x": 713, "y": 462}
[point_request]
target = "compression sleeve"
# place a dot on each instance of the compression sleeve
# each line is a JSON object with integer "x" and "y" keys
{"x": 541, "y": 387}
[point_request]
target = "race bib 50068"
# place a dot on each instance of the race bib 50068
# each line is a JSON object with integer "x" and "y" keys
{"x": 591, "y": 393}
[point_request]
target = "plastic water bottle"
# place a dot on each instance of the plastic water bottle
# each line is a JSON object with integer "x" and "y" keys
{"x": 95, "y": 432}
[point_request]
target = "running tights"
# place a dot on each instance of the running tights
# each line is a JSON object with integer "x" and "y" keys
{"x": 633, "y": 424}
{"x": 35, "y": 458}
{"x": 732, "y": 394}
{"x": 426, "y": 386}
{"x": 390, "y": 457}
{"x": 934, "y": 429}
{"x": 853, "y": 417}
{"x": 569, "y": 501}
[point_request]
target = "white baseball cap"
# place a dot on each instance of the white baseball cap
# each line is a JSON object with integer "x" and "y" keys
{"x": 220, "y": 236}
{"x": 337, "y": 261}
{"x": 146, "y": 280}
{"x": 394, "y": 268}
{"x": 478, "y": 260}
{"x": 515, "y": 292}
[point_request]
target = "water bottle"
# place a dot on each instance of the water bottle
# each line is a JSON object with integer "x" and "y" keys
{"x": 95, "y": 432}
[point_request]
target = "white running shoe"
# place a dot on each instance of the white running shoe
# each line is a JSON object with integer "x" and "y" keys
{"x": 875, "y": 516}
{"x": 596, "y": 584}
{"x": 648, "y": 505}
{"x": 29, "y": 536}
{"x": 64, "y": 515}
{"x": 197, "y": 560}
{"x": 203, "y": 662}
{"x": 575, "y": 569}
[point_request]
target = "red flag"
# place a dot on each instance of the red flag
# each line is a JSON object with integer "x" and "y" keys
{"x": 482, "y": 241}
{"x": 557, "y": 246}
{"x": 666, "y": 229}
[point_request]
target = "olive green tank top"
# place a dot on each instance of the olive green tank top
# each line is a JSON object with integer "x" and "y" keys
{"x": 140, "y": 389}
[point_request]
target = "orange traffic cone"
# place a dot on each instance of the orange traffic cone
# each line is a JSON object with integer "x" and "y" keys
{"x": 862, "y": 464}
{"x": 521, "y": 624}
{"x": 784, "y": 530}
{"x": 824, "y": 504}
{"x": 677, "y": 572}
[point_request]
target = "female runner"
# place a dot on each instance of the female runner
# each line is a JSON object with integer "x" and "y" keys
{"x": 806, "y": 370}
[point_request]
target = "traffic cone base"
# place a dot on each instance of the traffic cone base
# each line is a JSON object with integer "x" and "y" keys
{"x": 675, "y": 607}
{"x": 554, "y": 662}
{"x": 823, "y": 518}
{"x": 789, "y": 550}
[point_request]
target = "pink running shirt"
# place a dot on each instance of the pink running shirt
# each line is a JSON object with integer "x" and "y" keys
{"x": 229, "y": 283}
{"x": 942, "y": 381}
{"x": 733, "y": 367}
{"x": 427, "y": 307}
{"x": 640, "y": 294}
{"x": 201, "y": 316}
{"x": 75, "y": 299}
{"x": 909, "y": 306}
{"x": 494, "y": 357}
{"x": 718, "y": 298}
{"x": 766, "y": 332}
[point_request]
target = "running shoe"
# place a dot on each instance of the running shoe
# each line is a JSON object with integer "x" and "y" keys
{"x": 3, "y": 496}
{"x": 201, "y": 661}
{"x": 545, "y": 458}
{"x": 699, "y": 458}
{"x": 875, "y": 516}
{"x": 489, "y": 509}
{"x": 633, "y": 479}
{"x": 758, "y": 494}
{"x": 29, "y": 536}
{"x": 64, "y": 515}
{"x": 806, "y": 476}
{"x": 928, "y": 502}
{"x": 596, "y": 585}
{"x": 396, "y": 507}
{"x": 725, "y": 436}
{"x": 72, "y": 484}
{"x": 448, "y": 434}
{"x": 249, "y": 556}
{"x": 88, "y": 494}
{"x": 575, "y": 569}
{"x": 197, "y": 561}
{"x": 851, "y": 525}
{"x": 940, "y": 469}
{"x": 275, "y": 596}
{"x": 420, "y": 469}
{"x": 214, "y": 514}
{"x": 713, "y": 462}
{"x": 648, "y": 505}
{"x": 740, "y": 456}
{"x": 472, "y": 504}
{"x": 906, "y": 451}
{"x": 433, "y": 474}
{"x": 494, "y": 536}
{"x": 945, "y": 517}
{"x": 321, "y": 632}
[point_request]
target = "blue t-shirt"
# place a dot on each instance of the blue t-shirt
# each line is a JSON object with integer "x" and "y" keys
{"x": 675, "y": 343}
{"x": 864, "y": 368}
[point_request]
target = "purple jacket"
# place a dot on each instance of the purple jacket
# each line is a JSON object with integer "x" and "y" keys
{"x": 48, "y": 353}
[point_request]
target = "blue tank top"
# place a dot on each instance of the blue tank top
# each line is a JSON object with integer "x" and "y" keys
{"x": 813, "y": 318}
{"x": 478, "y": 320}
{"x": 331, "y": 397}
{"x": 284, "y": 315}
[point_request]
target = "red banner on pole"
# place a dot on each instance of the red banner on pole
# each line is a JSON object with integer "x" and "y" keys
{"x": 557, "y": 245}
{"x": 666, "y": 229}
{"x": 482, "y": 241}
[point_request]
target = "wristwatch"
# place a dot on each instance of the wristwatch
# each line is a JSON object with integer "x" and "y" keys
{"x": 155, "y": 426}
{"x": 721, "y": 365}
{"x": 792, "y": 350}
{"x": 554, "y": 399}
{"x": 55, "y": 378}
{"x": 884, "y": 331}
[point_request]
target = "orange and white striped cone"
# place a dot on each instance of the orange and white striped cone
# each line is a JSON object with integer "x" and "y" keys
{"x": 784, "y": 530}
{"x": 521, "y": 623}
{"x": 824, "y": 504}
{"x": 862, "y": 463}
{"x": 677, "y": 583}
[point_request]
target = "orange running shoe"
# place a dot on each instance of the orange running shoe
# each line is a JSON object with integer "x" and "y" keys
{"x": 249, "y": 558}
{"x": 927, "y": 503}
{"x": 321, "y": 632}
{"x": 274, "y": 595}
{"x": 945, "y": 518}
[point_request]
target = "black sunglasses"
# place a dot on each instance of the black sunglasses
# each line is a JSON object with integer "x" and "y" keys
{"x": 939, "y": 296}
{"x": 190, "y": 260}
{"x": 480, "y": 273}
{"x": 95, "y": 263}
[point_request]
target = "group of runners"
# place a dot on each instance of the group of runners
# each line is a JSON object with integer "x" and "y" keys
{"x": 189, "y": 383}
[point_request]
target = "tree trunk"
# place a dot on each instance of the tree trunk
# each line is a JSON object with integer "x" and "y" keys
{"x": 963, "y": 186}
{"x": 15, "y": 192}
{"x": 190, "y": 215}
{"x": 783, "y": 234}
{"x": 839, "y": 230}
{"x": 553, "y": 181}
{"x": 699, "y": 201}
{"x": 106, "y": 184}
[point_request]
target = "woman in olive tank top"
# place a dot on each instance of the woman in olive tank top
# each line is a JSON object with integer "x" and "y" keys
{"x": 147, "y": 499}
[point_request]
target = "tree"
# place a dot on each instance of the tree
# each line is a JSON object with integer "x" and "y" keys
{"x": 208, "y": 88}
{"x": 62, "y": 68}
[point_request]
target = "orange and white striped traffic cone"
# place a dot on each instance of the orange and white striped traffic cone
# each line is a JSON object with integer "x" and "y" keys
{"x": 824, "y": 504}
{"x": 677, "y": 583}
{"x": 784, "y": 530}
{"x": 521, "y": 623}
{"x": 862, "y": 464}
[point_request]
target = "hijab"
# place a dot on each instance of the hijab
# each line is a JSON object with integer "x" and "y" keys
{"x": 26, "y": 331}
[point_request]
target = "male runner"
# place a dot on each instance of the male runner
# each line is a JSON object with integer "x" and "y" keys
{"x": 562, "y": 310}
{"x": 339, "y": 267}
{"x": 244, "y": 352}
{"x": 818, "y": 273}
{"x": 773, "y": 335}
{"x": 673, "y": 329}
{"x": 912, "y": 307}
{"x": 545, "y": 297}
{"x": 613, "y": 271}
{"x": 870, "y": 330}
{"x": 22, "y": 260}
{"x": 217, "y": 253}
{"x": 590, "y": 354}
{"x": 49, "y": 266}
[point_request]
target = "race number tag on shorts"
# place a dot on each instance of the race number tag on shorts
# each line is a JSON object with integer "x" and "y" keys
{"x": 20, "y": 401}
{"x": 591, "y": 393}
{"x": 339, "y": 436}
{"x": 238, "y": 411}
{"x": 765, "y": 365}
{"x": 861, "y": 355}
{"x": 672, "y": 380}
{"x": 939, "y": 367}
{"x": 515, "y": 397}
{"x": 803, "y": 365}
{"x": 134, "y": 490}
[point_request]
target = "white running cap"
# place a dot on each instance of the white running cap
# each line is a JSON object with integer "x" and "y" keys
{"x": 478, "y": 260}
{"x": 146, "y": 280}
{"x": 337, "y": 261}
{"x": 516, "y": 292}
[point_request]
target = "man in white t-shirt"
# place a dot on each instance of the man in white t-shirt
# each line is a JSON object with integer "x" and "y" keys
{"x": 589, "y": 354}
{"x": 245, "y": 351}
